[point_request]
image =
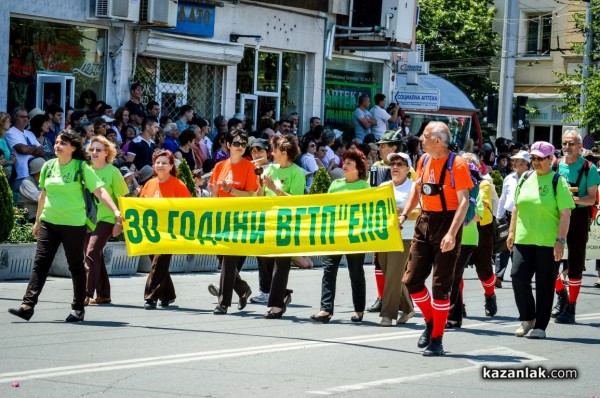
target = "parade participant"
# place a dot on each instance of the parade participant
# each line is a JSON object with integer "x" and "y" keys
{"x": 537, "y": 237}
{"x": 393, "y": 264}
{"x": 444, "y": 194}
{"x": 233, "y": 177}
{"x": 583, "y": 179}
{"x": 61, "y": 218}
{"x": 282, "y": 178}
{"x": 165, "y": 184}
{"x": 355, "y": 171}
{"x": 102, "y": 154}
{"x": 520, "y": 164}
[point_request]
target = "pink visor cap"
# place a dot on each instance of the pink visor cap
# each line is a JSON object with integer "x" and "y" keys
{"x": 542, "y": 149}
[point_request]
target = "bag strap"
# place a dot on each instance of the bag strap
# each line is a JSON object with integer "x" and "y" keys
{"x": 525, "y": 177}
{"x": 584, "y": 169}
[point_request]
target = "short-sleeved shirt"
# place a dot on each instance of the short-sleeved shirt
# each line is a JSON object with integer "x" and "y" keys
{"x": 571, "y": 171}
{"x": 290, "y": 179}
{"x": 359, "y": 130}
{"x": 470, "y": 234}
{"x": 485, "y": 190}
{"x": 401, "y": 193}
{"x": 432, "y": 174}
{"x": 133, "y": 107}
{"x": 539, "y": 209}
{"x": 14, "y": 137}
{"x": 340, "y": 185}
{"x": 172, "y": 188}
{"x": 115, "y": 186}
{"x": 65, "y": 204}
{"x": 238, "y": 176}
{"x": 382, "y": 117}
{"x": 143, "y": 151}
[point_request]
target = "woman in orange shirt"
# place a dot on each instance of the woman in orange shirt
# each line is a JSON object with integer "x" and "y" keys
{"x": 233, "y": 177}
{"x": 165, "y": 184}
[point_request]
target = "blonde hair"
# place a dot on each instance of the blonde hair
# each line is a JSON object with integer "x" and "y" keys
{"x": 3, "y": 118}
{"x": 111, "y": 151}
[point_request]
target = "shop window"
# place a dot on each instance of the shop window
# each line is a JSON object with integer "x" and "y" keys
{"x": 539, "y": 31}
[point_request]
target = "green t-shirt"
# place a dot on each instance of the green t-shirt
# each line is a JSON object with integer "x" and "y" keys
{"x": 65, "y": 204}
{"x": 290, "y": 179}
{"x": 571, "y": 172}
{"x": 115, "y": 186}
{"x": 470, "y": 234}
{"x": 539, "y": 210}
{"x": 340, "y": 185}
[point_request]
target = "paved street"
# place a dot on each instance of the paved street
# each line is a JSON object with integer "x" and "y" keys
{"x": 121, "y": 350}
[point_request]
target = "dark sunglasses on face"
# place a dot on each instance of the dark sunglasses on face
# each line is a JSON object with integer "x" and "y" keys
{"x": 238, "y": 144}
{"x": 538, "y": 159}
{"x": 397, "y": 164}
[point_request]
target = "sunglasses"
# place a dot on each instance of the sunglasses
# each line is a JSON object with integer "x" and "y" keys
{"x": 398, "y": 164}
{"x": 92, "y": 150}
{"x": 538, "y": 159}
{"x": 238, "y": 144}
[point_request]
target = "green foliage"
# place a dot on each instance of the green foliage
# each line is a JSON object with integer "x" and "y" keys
{"x": 498, "y": 181}
{"x": 460, "y": 43}
{"x": 570, "y": 83}
{"x": 22, "y": 230}
{"x": 6, "y": 208}
{"x": 185, "y": 175}
{"x": 321, "y": 182}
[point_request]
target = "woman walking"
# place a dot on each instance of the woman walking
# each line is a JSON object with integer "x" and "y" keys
{"x": 354, "y": 167}
{"x": 61, "y": 218}
{"x": 537, "y": 236}
{"x": 165, "y": 184}
{"x": 102, "y": 153}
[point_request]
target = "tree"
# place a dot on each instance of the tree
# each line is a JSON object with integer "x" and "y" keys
{"x": 570, "y": 83}
{"x": 7, "y": 211}
{"x": 321, "y": 182}
{"x": 185, "y": 175}
{"x": 460, "y": 43}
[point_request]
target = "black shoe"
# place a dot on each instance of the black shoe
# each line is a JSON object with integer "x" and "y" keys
{"x": 150, "y": 305}
{"x": 244, "y": 299}
{"x": 22, "y": 312}
{"x": 220, "y": 310}
{"x": 464, "y": 311}
{"x": 491, "y": 308}
{"x": 166, "y": 303}
{"x": 357, "y": 318}
{"x": 561, "y": 303}
{"x": 376, "y": 307}
{"x": 568, "y": 315}
{"x": 321, "y": 318}
{"x": 76, "y": 316}
{"x": 273, "y": 315}
{"x": 212, "y": 289}
{"x": 435, "y": 348}
{"x": 425, "y": 338}
{"x": 453, "y": 325}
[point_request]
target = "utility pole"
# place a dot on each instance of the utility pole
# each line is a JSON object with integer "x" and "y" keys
{"x": 507, "y": 69}
{"x": 587, "y": 61}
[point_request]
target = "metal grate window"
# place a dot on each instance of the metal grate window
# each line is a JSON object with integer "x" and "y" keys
{"x": 176, "y": 83}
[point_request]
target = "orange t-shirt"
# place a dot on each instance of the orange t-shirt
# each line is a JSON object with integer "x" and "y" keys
{"x": 239, "y": 176}
{"x": 172, "y": 188}
{"x": 432, "y": 174}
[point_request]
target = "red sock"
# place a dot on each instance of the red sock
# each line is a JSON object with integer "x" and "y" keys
{"x": 423, "y": 301}
{"x": 380, "y": 282}
{"x": 559, "y": 285}
{"x": 489, "y": 286}
{"x": 440, "y": 317}
{"x": 574, "y": 286}
{"x": 462, "y": 286}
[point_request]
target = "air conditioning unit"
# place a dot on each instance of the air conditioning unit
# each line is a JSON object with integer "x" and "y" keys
{"x": 159, "y": 12}
{"x": 397, "y": 18}
{"x": 126, "y": 10}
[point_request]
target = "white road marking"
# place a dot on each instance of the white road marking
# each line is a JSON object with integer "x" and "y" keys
{"x": 486, "y": 354}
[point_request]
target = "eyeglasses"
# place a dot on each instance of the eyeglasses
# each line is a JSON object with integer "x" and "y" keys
{"x": 538, "y": 159}
{"x": 570, "y": 143}
{"x": 92, "y": 150}
{"x": 397, "y": 164}
{"x": 238, "y": 144}
{"x": 312, "y": 146}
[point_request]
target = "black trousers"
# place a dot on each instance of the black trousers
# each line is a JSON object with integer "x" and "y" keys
{"x": 577, "y": 237}
{"x": 482, "y": 256}
{"x": 159, "y": 285}
{"x": 49, "y": 239}
{"x": 456, "y": 298}
{"x": 331, "y": 265}
{"x": 230, "y": 280}
{"x": 265, "y": 273}
{"x": 530, "y": 260}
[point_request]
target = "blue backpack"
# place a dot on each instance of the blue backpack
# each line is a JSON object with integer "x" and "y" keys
{"x": 473, "y": 192}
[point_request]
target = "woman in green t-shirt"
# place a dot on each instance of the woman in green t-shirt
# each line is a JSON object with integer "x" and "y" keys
{"x": 538, "y": 228}
{"x": 102, "y": 153}
{"x": 61, "y": 219}
{"x": 282, "y": 178}
{"x": 355, "y": 169}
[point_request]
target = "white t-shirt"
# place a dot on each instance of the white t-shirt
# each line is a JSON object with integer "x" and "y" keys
{"x": 14, "y": 137}
{"x": 382, "y": 117}
{"x": 401, "y": 193}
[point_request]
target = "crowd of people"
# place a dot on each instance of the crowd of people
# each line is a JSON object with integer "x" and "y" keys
{"x": 448, "y": 206}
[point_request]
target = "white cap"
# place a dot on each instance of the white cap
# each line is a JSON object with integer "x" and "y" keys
{"x": 107, "y": 119}
{"x": 400, "y": 155}
{"x": 522, "y": 155}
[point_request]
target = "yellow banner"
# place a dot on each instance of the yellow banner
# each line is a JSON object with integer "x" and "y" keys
{"x": 340, "y": 223}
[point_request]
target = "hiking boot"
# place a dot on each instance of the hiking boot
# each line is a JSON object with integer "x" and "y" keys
{"x": 561, "y": 303}
{"x": 568, "y": 315}
{"x": 425, "y": 338}
{"x": 376, "y": 307}
{"x": 491, "y": 308}
{"x": 435, "y": 348}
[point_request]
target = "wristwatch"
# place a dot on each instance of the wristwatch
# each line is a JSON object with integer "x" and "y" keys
{"x": 562, "y": 241}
